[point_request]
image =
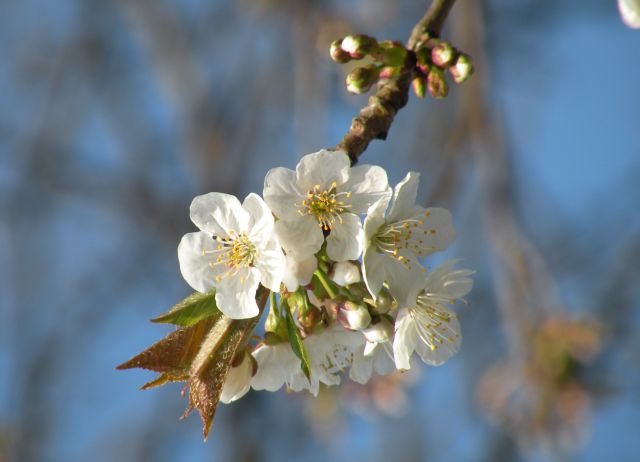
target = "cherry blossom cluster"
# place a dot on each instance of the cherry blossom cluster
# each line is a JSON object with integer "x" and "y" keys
{"x": 354, "y": 291}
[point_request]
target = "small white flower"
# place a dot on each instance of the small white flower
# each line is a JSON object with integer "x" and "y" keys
{"x": 234, "y": 252}
{"x": 298, "y": 272}
{"x": 630, "y": 12}
{"x": 330, "y": 352}
{"x": 238, "y": 381}
{"x": 394, "y": 243}
{"x": 428, "y": 327}
{"x": 377, "y": 354}
{"x": 323, "y": 195}
{"x": 345, "y": 273}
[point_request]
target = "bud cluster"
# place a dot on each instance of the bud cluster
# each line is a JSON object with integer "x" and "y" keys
{"x": 433, "y": 58}
{"x": 388, "y": 57}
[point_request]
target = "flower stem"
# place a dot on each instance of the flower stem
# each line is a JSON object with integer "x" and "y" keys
{"x": 322, "y": 277}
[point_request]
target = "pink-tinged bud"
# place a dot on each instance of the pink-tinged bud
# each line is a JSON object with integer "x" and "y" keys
{"x": 345, "y": 273}
{"x": 443, "y": 55}
{"x": 361, "y": 79}
{"x": 353, "y": 316}
{"x": 436, "y": 84}
{"x": 358, "y": 46}
{"x": 381, "y": 331}
{"x": 337, "y": 53}
{"x": 461, "y": 69}
{"x": 390, "y": 72}
{"x": 419, "y": 85}
{"x": 391, "y": 53}
{"x": 310, "y": 318}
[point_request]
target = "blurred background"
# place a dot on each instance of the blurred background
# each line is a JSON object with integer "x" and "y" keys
{"x": 115, "y": 114}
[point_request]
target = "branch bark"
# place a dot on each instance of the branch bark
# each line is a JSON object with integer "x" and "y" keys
{"x": 375, "y": 119}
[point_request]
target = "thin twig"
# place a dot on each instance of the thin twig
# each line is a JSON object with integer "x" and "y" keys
{"x": 375, "y": 119}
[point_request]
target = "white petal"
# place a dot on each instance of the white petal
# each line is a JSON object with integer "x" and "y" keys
{"x": 194, "y": 263}
{"x": 373, "y": 270}
{"x": 441, "y": 233}
{"x": 442, "y": 352}
{"x": 367, "y": 184}
{"x": 281, "y": 192}
{"x": 362, "y": 367}
{"x": 261, "y": 221}
{"x": 404, "y": 197}
{"x": 404, "y": 284}
{"x": 322, "y": 168}
{"x": 270, "y": 261}
{"x": 346, "y": 239}
{"x": 219, "y": 214}
{"x": 630, "y": 12}
{"x": 446, "y": 282}
{"x": 276, "y": 365}
{"x": 375, "y": 217}
{"x": 298, "y": 273}
{"x": 301, "y": 238}
{"x": 238, "y": 381}
{"x": 405, "y": 340}
{"x": 236, "y": 294}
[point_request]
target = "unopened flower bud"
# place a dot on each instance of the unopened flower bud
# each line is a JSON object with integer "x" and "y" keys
{"x": 436, "y": 84}
{"x": 381, "y": 331}
{"x": 443, "y": 55}
{"x": 337, "y": 53}
{"x": 383, "y": 302}
{"x": 238, "y": 379}
{"x": 391, "y": 53}
{"x": 461, "y": 69}
{"x": 419, "y": 85}
{"x": 359, "y": 45}
{"x": 345, "y": 273}
{"x": 353, "y": 316}
{"x": 361, "y": 79}
{"x": 310, "y": 318}
{"x": 390, "y": 72}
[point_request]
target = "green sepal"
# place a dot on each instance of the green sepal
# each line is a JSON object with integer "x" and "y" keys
{"x": 192, "y": 309}
{"x": 296, "y": 342}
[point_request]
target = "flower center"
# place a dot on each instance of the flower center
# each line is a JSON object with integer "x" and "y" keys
{"x": 433, "y": 325}
{"x": 325, "y": 204}
{"x": 404, "y": 240}
{"x": 234, "y": 253}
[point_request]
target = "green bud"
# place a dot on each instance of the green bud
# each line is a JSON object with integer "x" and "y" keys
{"x": 419, "y": 86}
{"x": 391, "y": 53}
{"x": 436, "y": 84}
{"x": 461, "y": 69}
{"x": 361, "y": 79}
{"x": 423, "y": 59}
{"x": 443, "y": 55}
{"x": 358, "y": 46}
{"x": 337, "y": 53}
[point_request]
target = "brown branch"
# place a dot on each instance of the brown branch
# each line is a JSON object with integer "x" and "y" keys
{"x": 375, "y": 119}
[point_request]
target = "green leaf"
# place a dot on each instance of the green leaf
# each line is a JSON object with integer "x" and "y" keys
{"x": 296, "y": 342}
{"x": 192, "y": 309}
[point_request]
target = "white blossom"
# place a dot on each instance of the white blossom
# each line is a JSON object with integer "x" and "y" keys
{"x": 330, "y": 351}
{"x": 323, "y": 195}
{"x": 630, "y": 12}
{"x": 238, "y": 381}
{"x": 393, "y": 243}
{"x": 234, "y": 252}
{"x": 428, "y": 326}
